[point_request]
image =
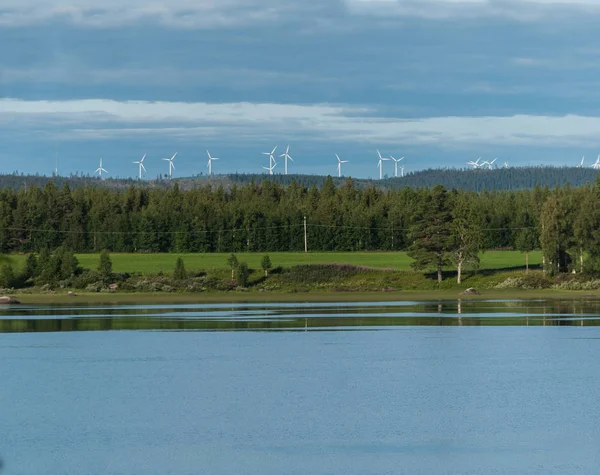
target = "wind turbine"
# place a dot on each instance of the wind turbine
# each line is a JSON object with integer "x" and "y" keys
{"x": 100, "y": 170}
{"x": 506, "y": 164}
{"x": 141, "y": 165}
{"x": 475, "y": 163}
{"x": 272, "y": 161}
{"x": 270, "y": 168}
{"x": 581, "y": 163}
{"x": 339, "y": 167}
{"x": 491, "y": 163}
{"x": 402, "y": 171}
{"x": 380, "y": 165}
{"x": 285, "y": 155}
{"x": 210, "y": 159}
{"x": 396, "y": 160}
{"x": 596, "y": 165}
{"x": 171, "y": 165}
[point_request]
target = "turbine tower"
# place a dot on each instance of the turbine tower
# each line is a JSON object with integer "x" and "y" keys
{"x": 270, "y": 168}
{"x": 210, "y": 159}
{"x": 272, "y": 161}
{"x": 171, "y": 165}
{"x": 380, "y": 165}
{"x": 339, "y": 165}
{"x": 286, "y": 156}
{"x": 141, "y": 166}
{"x": 100, "y": 170}
{"x": 396, "y": 160}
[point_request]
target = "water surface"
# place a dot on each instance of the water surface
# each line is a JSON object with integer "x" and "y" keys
{"x": 360, "y": 388}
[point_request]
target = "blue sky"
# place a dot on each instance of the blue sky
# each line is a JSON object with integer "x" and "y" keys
{"x": 437, "y": 81}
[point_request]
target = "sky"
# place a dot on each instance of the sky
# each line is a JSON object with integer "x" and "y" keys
{"x": 440, "y": 82}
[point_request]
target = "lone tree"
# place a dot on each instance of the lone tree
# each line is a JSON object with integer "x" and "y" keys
{"x": 467, "y": 237}
{"x": 233, "y": 263}
{"x": 243, "y": 273}
{"x": 266, "y": 264}
{"x": 179, "y": 273}
{"x": 105, "y": 267}
{"x": 431, "y": 233}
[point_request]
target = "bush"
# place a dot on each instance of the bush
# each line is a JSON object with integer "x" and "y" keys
{"x": 8, "y": 278}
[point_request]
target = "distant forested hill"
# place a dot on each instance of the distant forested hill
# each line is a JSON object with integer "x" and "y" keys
{"x": 469, "y": 180}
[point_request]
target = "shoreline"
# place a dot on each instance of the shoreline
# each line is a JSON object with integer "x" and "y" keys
{"x": 142, "y": 298}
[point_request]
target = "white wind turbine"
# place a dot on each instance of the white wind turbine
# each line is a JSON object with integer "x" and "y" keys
{"x": 272, "y": 161}
{"x": 171, "y": 165}
{"x": 490, "y": 164}
{"x": 210, "y": 160}
{"x": 402, "y": 171}
{"x": 270, "y": 168}
{"x": 396, "y": 160}
{"x": 596, "y": 164}
{"x": 100, "y": 170}
{"x": 581, "y": 163}
{"x": 380, "y": 164}
{"x": 141, "y": 166}
{"x": 475, "y": 164}
{"x": 286, "y": 156}
{"x": 339, "y": 165}
{"x": 506, "y": 164}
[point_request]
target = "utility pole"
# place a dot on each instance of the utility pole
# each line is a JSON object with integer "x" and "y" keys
{"x": 305, "y": 237}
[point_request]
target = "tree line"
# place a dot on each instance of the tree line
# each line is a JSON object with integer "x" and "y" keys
{"x": 438, "y": 226}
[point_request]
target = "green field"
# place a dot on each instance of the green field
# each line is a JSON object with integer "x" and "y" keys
{"x": 154, "y": 263}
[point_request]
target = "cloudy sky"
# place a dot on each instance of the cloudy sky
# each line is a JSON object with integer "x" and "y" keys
{"x": 437, "y": 81}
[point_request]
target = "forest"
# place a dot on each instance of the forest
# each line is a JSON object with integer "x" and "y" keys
{"x": 518, "y": 178}
{"x": 437, "y": 226}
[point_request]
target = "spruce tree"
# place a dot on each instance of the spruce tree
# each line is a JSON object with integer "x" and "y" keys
{"x": 243, "y": 273}
{"x": 105, "y": 267}
{"x": 266, "y": 264}
{"x": 430, "y": 233}
{"x": 179, "y": 273}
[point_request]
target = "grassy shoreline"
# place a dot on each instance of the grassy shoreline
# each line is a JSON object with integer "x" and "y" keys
{"x": 62, "y": 298}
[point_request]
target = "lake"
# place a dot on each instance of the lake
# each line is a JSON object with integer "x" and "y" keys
{"x": 340, "y": 388}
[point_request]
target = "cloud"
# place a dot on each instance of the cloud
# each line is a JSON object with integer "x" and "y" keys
{"x": 105, "y": 119}
{"x": 174, "y": 13}
{"x": 440, "y": 9}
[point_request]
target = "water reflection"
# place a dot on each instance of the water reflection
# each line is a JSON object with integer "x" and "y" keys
{"x": 300, "y": 316}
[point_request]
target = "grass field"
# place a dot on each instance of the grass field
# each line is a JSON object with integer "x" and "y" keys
{"x": 154, "y": 263}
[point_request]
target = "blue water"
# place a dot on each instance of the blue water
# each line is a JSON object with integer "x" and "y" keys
{"x": 406, "y": 399}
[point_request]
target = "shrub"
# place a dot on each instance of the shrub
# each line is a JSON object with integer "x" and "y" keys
{"x": 8, "y": 278}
